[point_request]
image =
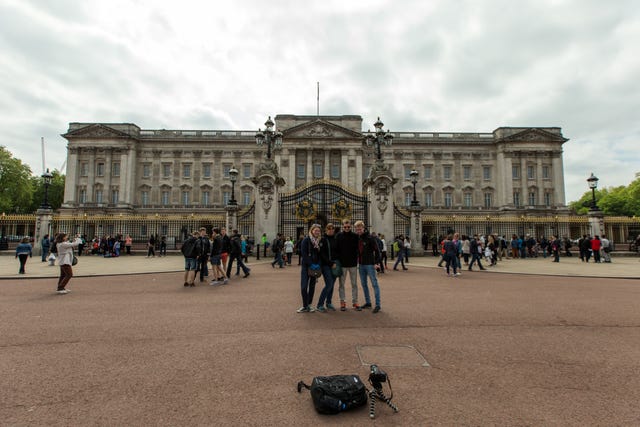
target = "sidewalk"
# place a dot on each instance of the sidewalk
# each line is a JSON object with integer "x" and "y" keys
{"x": 623, "y": 267}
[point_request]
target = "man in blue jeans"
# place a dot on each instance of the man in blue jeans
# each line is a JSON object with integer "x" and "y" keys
{"x": 367, "y": 252}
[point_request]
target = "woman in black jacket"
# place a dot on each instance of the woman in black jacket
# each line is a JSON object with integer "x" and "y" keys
{"x": 310, "y": 251}
{"x": 328, "y": 259}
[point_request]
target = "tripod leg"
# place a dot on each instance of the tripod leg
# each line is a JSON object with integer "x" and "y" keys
{"x": 372, "y": 404}
{"x": 386, "y": 400}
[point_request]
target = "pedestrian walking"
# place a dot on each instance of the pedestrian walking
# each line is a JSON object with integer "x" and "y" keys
{"x": 23, "y": 251}
{"x": 45, "y": 244}
{"x": 236, "y": 255}
{"x": 191, "y": 250}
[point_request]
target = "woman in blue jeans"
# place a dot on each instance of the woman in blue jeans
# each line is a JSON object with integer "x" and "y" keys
{"x": 328, "y": 258}
{"x": 310, "y": 252}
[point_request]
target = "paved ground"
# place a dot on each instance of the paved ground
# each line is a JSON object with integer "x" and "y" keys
{"x": 139, "y": 349}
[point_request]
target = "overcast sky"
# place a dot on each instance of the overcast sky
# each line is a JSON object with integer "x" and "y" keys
{"x": 440, "y": 66}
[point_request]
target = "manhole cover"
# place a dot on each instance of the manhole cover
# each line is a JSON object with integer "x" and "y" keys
{"x": 391, "y": 355}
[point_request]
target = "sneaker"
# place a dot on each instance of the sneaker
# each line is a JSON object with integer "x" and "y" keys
{"x": 321, "y": 309}
{"x": 245, "y": 275}
{"x": 458, "y": 274}
{"x": 62, "y": 292}
{"x": 343, "y": 306}
{"x": 311, "y": 309}
{"x": 302, "y": 310}
{"x": 376, "y": 309}
{"x": 330, "y": 307}
{"x": 214, "y": 282}
{"x": 356, "y": 307}
{"x": 186, "y": 284}
{"x": 193, "y": 285}
{"x": 225, "y": 281}
{"x": 367, "y": 305}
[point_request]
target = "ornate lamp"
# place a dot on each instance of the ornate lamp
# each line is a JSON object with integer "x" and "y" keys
{"x": 233, "y": 176}
{"x": 593, "y": 184}
{"x": 46, "y": 178}
{"x": 270, "y": 137}
{"x": 414, "y": 180}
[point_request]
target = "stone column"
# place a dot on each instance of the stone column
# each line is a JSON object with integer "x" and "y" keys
{"x": 44, "y": 218}
{"x": 267, "y": 181}
{"x": 71, "y": 180}
{"x": 379, "y": 187}
{"x": 558, "y": 178}
{"x": 416, "y": 231}
{"x": 596, "y": 222}
{"x": 231, "y": 222}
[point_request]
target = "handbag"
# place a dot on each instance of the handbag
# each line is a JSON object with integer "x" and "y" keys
{"x": 314, "y": 270}
{"x": 75, "y": 260}
{"x": 337, "y": 270}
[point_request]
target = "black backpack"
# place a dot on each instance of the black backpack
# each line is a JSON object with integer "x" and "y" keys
{"x": 191, "y": 248}
{"x": 336, "y": 393}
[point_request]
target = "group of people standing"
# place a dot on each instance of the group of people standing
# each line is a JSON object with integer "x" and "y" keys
{"x": 219, "y": 249}
{"x": 333, "y": 256}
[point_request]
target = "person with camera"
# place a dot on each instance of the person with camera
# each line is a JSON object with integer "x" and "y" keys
{"x": 310, "y": 271}
{"x": 368, "y": 252}
{"x": 65, "y": 260}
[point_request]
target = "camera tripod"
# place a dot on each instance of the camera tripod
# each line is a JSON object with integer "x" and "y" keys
{"x": 377, "y": 393}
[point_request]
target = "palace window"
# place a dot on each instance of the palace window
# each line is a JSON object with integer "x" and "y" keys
{"x": 205, "y": 198}
{"x": 516, "y": 198}
{"x": 486, "y": 173}
{"x": 466, "y": 173}
{"x": 446, "y": 173}
{"x": 84, "y": 169}
{"x": 98, "y": 196}
{"x": 468, "y": 200}
{"x": 100, "y": 169}
{"x": 335, "y": 171}
{"x": 532, "y": 198}
{"x": 546, "y": 172}
{"x": 448, "y": 199}
{"x": 407, "y": 172}
{"x": 225, "y": 170}
{"x": 547, "y": 199}
{"x": 114, "y": 196}
{"x": 531, "y": 172}
{"x": 427, "y": 172}
{"x": 145, "y": 198}
{"x": 488, "y": 200}
{"x": 226, "y": 196}
{"x": 166, "y": 197}
{"x": 206, "y": 170}
{"x": 186, "y": 171}
{"x": 166, "y": 170}
{"x": 317, "y": 170}
{"x": 115, "y": 168}
{"x": 246, "y": 198}
{"x": 82, "y": 197}
{"x": 408, "y": 197}
{"x": 301, "y": 171}
{"x": 185, "y": 198}
{"x": 146, "y": 170}
{"x": 246, "y": 170}
{"x": 428, "y": 199}
{"x": 515, "y": 172}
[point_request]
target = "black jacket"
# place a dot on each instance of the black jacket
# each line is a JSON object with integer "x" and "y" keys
{"x": 347, "y": 245}
{"x": 310, "y": 255}
{"x": 368, "y": 250}
{"x": 328, "y": 246}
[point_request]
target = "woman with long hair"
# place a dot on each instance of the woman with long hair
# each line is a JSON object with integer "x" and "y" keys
{"x": 310, "y": 253}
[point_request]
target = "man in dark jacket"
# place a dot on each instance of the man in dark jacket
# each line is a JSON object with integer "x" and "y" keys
{"x": 276, "y": 248}
{"x": 236, "y": 254}
{"x": 203, "y": 259}
{"x": 476, "y": 253}
{"x": 368, "y": 251}
{"x": 347, "y": 244}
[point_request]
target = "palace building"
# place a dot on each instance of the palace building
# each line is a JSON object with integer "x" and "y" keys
{"x": 119, "y": 168}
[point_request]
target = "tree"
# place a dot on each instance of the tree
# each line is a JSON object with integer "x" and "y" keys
{"x": 16, "y": 189}
{"x": 620, "y": 201}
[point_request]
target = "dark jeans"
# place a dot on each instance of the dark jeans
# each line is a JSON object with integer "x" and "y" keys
{"x": 66, "y": 273}
{"x": 240, "y": 264}
{"x": 307, "y": 286}
{"x": 203, "y": 267}
{"x": 278, "y": 260}
{"x": 327, "y": 291}
{"x": 45, "y": 253}
{"x": 151, "y": 251}
{"x": 474, "y": 258}
{"x": 23, "y": 261}
{"x": 452, "y": 261}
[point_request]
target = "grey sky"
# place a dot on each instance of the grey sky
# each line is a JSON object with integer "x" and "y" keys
{"x": 468, "y": 66}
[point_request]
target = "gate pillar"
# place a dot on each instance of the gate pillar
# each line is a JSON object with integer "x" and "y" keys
{"x": 379, "y": 186}
{"x": 416, "y": 231}
{"x": 232, "y": 217}
{"x": 43, "y": 224}
{"x": 267, "y": 181}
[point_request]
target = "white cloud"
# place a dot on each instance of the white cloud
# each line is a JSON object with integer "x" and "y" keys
{"x": 428, "y": 66}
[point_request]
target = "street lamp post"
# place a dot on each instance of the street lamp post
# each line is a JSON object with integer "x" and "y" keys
{"x": 593, "y": 184}
{"x": 233, "y": 176}
{"x": 272, "y": 138}
{"x": 46, "y": 177}
{"x": 378, "y": 138}
{"x": 414, "y": 180}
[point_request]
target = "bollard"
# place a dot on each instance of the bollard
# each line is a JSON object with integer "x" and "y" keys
{"x": 258, "y": 252}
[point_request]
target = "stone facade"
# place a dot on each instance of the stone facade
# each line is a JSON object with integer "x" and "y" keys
{"x": 120, "y": 168}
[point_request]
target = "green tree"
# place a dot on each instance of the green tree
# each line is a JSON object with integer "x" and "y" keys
{"x": 16, "y": 189}
{"x": 616, "y": 201}
{"x": 55, "y": 193}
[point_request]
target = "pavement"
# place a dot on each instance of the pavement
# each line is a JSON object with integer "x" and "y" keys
{"x": 528, "y": 342}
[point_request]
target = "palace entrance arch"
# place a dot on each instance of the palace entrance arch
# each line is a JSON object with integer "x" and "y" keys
{"x": 320, "y": 202}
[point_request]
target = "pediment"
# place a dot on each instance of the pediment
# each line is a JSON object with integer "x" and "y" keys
{"x": 96, "y": 130}
{"x": 535, "y": 135}
{"x": 320, "y": 129}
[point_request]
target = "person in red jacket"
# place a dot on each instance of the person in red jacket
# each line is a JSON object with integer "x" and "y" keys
{"x": 596, "y": 243}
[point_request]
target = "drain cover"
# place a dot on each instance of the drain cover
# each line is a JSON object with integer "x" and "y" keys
{"x": 391, "y": 355}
